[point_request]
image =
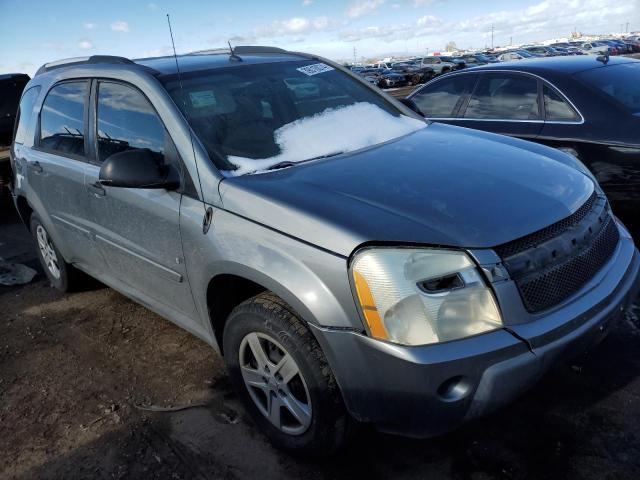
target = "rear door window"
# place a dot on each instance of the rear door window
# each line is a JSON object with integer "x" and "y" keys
{"x": 556, "y": 108}
{"x": 504, "y": 97}
{"x": 62, "y": 118}
{"x": 25, "y": 112}
{"x": 127, "y": 121}
{"x": 442, "y": 98}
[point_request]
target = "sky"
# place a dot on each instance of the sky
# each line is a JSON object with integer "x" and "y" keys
{"x": 36, "y": 32}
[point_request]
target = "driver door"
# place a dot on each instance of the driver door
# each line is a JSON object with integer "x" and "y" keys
{"x": 136, "y": 230}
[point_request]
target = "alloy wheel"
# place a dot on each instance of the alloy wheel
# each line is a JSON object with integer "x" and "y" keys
{"x": 48, "y": 253}
{"x": 275, "y": 383}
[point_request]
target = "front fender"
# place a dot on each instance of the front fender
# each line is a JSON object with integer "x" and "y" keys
{"x": 313, "y": 281}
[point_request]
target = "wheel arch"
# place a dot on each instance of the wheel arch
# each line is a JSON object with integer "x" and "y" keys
{"x": 24, "y": 210}
{"x": 234, "y": 283}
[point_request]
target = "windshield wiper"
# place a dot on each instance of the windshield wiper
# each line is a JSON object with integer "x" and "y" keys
{"x": 289, "y": 163}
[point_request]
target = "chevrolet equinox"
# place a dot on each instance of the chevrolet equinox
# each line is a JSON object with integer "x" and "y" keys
{"x": 352, "y": 262}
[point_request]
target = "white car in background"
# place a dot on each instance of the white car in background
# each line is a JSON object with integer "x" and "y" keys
{"x": 438, "y": 64}
{"x": 594, "y": 48}
{"x": 510, "y": 56}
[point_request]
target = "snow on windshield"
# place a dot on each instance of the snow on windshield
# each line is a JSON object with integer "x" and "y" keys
{"x": 332, "y": 131}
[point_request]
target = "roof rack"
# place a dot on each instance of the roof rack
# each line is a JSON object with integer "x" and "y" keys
{"x": 240, "y": 50}
{"x": 83, "y": 61}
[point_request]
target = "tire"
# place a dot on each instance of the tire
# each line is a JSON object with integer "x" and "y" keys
{"x": 269, "y": 321}
{"x": 63, "y": 276}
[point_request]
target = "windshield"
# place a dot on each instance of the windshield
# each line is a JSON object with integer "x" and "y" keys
{"x": 620, "y": 82}
{"x": 252, "y": 117}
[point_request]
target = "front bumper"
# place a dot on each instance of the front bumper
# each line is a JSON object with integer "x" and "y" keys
{"x": 427, "y": 390}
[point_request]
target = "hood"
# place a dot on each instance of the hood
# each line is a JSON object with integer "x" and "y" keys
{"x": 441, "y": 185}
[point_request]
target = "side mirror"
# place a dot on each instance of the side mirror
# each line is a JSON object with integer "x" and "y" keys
{"x": 140, "y": 168}
{"x": 412, "y": 105}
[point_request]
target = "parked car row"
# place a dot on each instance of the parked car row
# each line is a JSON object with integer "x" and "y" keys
{"x": 418, "y": 70}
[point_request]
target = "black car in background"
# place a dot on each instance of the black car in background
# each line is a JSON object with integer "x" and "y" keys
{"x": 413, "y": 71}
{"x": 587, "y": 106}
{"x": 477, "y": 59}
{"x": 457, "y": 61}
{"x": 11, "y": 86}
{"x": 543, "y": 50}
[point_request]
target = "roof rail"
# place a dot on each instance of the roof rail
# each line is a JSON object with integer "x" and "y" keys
{"x": 83, "y": 61}
{"x": 240, "y": 50}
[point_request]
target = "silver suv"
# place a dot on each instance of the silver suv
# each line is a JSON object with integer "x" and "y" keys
{"x": 352, "y": 262}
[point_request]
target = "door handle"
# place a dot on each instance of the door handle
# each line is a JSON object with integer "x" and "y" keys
{"x": 36, "y": 167}
{"x": 97, "y": 189}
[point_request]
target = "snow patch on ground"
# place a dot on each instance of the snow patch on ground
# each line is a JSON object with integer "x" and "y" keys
{"x": 343, "y": 129}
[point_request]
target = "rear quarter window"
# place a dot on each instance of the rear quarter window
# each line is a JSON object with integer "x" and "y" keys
{"x": 556, "y": 108}
{"x": 25, "y": 113}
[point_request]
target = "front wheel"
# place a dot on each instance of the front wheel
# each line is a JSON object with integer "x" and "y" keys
{"x": 283, "y": 379}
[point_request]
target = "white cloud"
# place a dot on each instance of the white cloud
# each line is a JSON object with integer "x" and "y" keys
{"x": 306, "y": 3}
{"x": 89, "y": 25}
{"x": 428, "y": 20}
{"x": 152, "y": 6}
{"x": 537, "y": 21}
{"x": 363, "y": 7}
{"x": 120, "y": 26}
{"x": 293, "y": 26}
{"x": 85, "y": 44}
{"x": 423, "y": 3}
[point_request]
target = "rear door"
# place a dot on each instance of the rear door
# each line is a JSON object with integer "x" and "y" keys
{"x": 55, "y": 171}
{"x": 137, "y": 230}
{"x": 506, "y": 103}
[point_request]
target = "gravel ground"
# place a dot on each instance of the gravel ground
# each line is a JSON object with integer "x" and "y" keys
{"x": 77, "y": 370}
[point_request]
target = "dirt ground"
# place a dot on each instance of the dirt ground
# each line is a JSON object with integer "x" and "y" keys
{"x": 75, "y": 370}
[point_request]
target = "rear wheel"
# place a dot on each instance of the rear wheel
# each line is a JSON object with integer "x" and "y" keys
{"x": 283, "y": 379}
{"x": 60, "y": 274}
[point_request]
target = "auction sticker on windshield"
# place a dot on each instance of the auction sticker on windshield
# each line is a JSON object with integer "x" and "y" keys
{"x": 315, "y": 69}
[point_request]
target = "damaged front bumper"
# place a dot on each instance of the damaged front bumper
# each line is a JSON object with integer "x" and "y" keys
{"x": 427, "y": 390}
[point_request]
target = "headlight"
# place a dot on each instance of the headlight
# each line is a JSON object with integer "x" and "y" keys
{"x": 419, "y": 296}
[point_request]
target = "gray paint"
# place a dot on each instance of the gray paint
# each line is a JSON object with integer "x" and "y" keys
{"x": 415, "y": 189}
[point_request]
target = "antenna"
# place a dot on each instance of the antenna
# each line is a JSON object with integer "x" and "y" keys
{"x": 208, "y": 211}
{"x": 233, "y": 54}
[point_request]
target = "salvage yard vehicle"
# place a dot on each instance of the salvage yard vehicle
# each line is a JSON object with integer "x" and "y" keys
{"x": 351, "y": 261}
{"x": 542, "y": 50}
{"x": 581, "y": 105}
{"x": 597, "y": 48}
{"x": 11, "y": 86}
{"x": 458, "y": 62}
{"x": 414, "y": 73}
{"x": 438, "y": 65}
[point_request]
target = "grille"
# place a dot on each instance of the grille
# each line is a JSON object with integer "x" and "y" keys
{"x": 536, "y": 238}
{"x": 560, "y": 282}
{"x": 552, "y": 264}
